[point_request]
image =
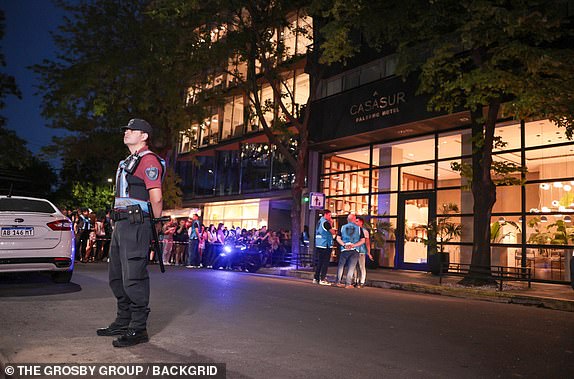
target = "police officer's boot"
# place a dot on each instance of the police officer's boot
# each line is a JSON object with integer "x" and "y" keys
{"x": 131, "y": 337}
{"x": 112, "y": 330}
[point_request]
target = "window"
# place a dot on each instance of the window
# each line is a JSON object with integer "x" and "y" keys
{"x": 296, "y": 93}
{"x": 297, "y": 35}
{"x": 209, "y": 131}
{"x": 267, "y": 106}
{"x": 370, "y": 73}
{"x": 255, "y": 167}
{"x": 187, "y": 139}
{"x": 333, "y": 86}
{"x": 238, "y": 71}
{"x": 204, "y": 178}
{"x": 352, "y": 80}
{"x": 232, "y": 118}
{"x": 302, "y": 90}
{"x": 228, "y": 169}
{"x": 25, "y": 205}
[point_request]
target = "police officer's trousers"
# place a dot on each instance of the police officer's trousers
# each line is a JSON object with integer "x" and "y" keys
{"x": 129, "y": 279}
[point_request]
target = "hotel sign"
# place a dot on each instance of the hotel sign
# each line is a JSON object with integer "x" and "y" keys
{"x": 377, "y": 105}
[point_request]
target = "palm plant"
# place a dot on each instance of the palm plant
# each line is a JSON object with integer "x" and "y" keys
{"x": 442, "y": 229}
{"x": 497, "y": 234}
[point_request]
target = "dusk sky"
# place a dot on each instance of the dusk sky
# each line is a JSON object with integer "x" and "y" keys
{"x": 27, "y": 41}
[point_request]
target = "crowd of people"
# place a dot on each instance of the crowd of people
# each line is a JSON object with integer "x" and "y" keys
{"x": 186, "y": 242}
{"x": 93, "y": 233}
{"x": 182, "y": 245}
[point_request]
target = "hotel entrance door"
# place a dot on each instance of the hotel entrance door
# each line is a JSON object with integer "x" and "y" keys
{"x": 415, "y": 210}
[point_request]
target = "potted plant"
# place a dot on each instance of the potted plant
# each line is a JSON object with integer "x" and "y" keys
{"x": 497, "y": 235}
{"x": 540, "y": 236}
{"x": 380, "y": 233}
{"x": 440, "y": 231}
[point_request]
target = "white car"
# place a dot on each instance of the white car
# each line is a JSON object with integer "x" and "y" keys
{"x": 35, "y": 236}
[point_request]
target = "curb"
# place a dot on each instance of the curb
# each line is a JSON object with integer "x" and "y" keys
{"x": 445, "y": 290}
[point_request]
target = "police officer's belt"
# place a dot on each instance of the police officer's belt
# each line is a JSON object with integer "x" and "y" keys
{"x": 118, "y": 214}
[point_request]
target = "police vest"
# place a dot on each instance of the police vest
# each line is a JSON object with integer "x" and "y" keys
{"x": 130, "y": 189}
{"x": 323, "y": 237}
{"x": 363, "y": 248}
{"x": 350, "y": 233}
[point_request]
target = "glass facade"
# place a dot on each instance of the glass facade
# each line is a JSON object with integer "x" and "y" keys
{"x": 253, "y": 167}
{"x": 233, "y": 120}
{"x": 398, "y": 181}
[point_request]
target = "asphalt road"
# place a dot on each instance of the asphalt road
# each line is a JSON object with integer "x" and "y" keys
{"x": 275, "y": 327}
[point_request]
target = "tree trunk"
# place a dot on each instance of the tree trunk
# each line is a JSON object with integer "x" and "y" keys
{"x": 484, "y": 194}
{"x": 297, "y": 191}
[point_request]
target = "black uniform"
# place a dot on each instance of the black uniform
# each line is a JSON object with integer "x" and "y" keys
{"x": 129, "y": 279}
{"x": 138, "y": 174}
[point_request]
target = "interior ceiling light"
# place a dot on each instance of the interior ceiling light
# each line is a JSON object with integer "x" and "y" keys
{"x": 543, "y": 219}
{"x": 567, "y": 219}
{"x": 555, "y": 203}
{"x": 557, "y": 184}
{"x": 567, "y": 187}
{"x": 501, "y": 220}
{"x": 544, "y": 186}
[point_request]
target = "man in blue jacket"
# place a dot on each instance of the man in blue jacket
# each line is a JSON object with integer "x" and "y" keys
{"x": 350, "y": 238}
{"x": 323, "y": 243}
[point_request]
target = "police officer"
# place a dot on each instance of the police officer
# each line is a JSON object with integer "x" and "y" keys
{"x": 323, "y": 242}
{"x": 138, "y": 180}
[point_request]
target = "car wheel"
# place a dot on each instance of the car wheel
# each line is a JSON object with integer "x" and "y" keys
{"x": 62, "y": 276}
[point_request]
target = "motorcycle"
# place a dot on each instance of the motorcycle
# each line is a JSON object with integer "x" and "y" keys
{"x": 236, "y": 255}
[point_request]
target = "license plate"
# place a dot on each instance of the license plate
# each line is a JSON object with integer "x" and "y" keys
{"x": 18, "y": 232}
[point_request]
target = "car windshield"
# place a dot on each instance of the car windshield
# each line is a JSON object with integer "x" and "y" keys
{"x": 25, "y": 205}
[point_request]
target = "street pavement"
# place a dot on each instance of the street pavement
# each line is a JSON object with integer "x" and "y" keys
{"x": 544, "y": 295}
{"x": 264, "y": 326}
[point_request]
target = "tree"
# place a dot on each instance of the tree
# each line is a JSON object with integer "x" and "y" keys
{"x": 115, "y": 62}
{"x": 96, "y": 197}
{"x": 249, "y": 41}
{"x": 22, "y": 172}
{"x": 7, "y": 82}
{"x": 491, "y": 57}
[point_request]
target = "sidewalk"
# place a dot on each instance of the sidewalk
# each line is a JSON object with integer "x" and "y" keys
{"x": 551, "y": 296}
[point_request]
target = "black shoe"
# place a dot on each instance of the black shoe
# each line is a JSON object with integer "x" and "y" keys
{"x": 112, "y": 330}
{"x": 131, "y": 337}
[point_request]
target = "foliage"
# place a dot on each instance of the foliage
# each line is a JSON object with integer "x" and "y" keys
{"x": 95, "y": 197}
{"x": 115, "y": 62}
{"x": 27, "y": 174}
{"x": 171, "y": 190}
{"x": 557, "y": 233}
{"x": 380, "y": 232}
{"x": 482, "y": 56}
{"x": 7, "y": 82}
{"x": 442, "y": 230}
{"x": 239, "y": 39}
{"x": 497, "y": 234}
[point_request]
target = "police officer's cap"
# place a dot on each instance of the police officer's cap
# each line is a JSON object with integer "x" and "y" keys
{"x": 139, "y": 124}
